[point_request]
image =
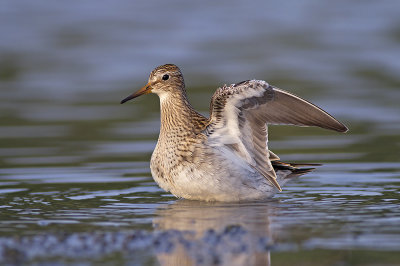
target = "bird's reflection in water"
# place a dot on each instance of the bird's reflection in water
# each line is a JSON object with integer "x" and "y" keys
{"x": 201, "y": 218}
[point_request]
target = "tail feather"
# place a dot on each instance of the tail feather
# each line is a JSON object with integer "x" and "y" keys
{"x": 302, "y": 171}
{"x": 293, "y": 167}
{"x": 304, "y": 164}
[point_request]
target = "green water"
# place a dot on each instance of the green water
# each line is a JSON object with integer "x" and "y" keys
{"x": 75, "y": 161}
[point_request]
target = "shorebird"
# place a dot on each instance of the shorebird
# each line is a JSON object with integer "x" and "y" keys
{"x": 225, "y": 157}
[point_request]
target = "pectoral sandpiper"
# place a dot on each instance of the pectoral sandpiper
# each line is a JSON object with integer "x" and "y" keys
{"x": 225, "y": 157}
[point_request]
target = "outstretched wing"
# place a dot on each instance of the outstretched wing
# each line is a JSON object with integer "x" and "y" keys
{"x": 240, "y": 114}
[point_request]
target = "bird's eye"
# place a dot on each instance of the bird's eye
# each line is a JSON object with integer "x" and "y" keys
{"x": 165, "y": 77}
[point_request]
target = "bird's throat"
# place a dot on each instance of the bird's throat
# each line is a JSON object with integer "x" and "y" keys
{"x": 176, "y": 113}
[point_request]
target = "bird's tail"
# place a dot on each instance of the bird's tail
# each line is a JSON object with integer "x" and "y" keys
{"x": 295, "y": 168}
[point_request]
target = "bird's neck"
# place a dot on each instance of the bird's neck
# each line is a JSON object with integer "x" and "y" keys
{"x": 176, "y": 113}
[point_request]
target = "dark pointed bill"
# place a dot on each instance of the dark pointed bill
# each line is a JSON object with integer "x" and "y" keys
{"x": 145, "y": 90}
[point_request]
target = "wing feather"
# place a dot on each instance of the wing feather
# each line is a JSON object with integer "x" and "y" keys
{"x": 240, "y": 114}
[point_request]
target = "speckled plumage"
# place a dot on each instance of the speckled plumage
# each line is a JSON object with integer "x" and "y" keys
{"x": 225, "y": 157}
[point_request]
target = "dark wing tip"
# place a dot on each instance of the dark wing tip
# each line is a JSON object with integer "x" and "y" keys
{"x": 339, "y": 127}
{"x": 328, "y": 122}
{"x": 343, "y": 129}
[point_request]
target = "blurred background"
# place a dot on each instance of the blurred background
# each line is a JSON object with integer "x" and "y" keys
{"x": 65, "y": 65}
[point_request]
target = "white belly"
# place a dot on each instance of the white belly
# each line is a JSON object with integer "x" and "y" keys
{"x": 212, "y": 178}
